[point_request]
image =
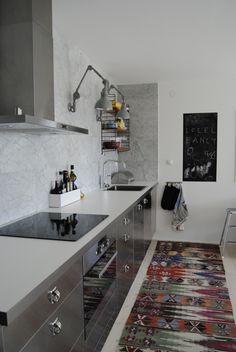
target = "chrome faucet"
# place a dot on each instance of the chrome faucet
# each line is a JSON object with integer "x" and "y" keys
{"x": 107, "y": 184}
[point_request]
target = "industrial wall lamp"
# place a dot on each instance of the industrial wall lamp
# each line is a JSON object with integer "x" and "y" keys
{"x": 105, "y": 102}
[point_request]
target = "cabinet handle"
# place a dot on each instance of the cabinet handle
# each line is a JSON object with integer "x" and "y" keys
{"x": 54, "y": 295}
{"x": 55, "y": 327}
{"x": 140, "y": 207}
{"x": 145, "y": 201}
{"x": 126, "y": 221}
{"x": 126, "y": 237}
{"x": 126, "y": 268}
{"x": 107, "y": 265}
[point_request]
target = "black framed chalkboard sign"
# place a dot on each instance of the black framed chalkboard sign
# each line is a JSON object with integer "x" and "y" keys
{"x": 200, "y": 147}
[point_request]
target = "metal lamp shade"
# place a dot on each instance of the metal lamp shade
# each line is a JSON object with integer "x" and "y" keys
{"x": 104, "y": 103}
{"x": 123, "y": 113}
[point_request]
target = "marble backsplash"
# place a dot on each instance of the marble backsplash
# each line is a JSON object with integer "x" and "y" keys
{"x": 28, "y": 163}
{"x": 142, "y": 159}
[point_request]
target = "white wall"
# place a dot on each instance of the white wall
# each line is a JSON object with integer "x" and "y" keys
{"x": 207, "y": 201}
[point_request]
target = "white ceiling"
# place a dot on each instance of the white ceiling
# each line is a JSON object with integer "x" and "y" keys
{"x": 138, "y": 41}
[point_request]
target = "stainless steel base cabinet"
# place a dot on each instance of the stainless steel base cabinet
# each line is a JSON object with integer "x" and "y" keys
{"x": 125, "y": 257}
{"x": 149, "y": 208}
{"x": 62, "y": 329}
{"x": 76, "y": 307}
{"x": 139, "y": 250}
{"x": 21, "y": 330}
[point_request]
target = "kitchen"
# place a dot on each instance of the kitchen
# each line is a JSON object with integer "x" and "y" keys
{"x": 30, "y": 161}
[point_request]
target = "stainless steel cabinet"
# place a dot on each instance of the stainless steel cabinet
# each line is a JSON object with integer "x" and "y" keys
{"x": 149, "y": 208}
{"x": 62, "y": 329}
{"x": 16, "y": 335}
{"x": 55, "y": 320}
{"x": 139, "y": 250}
{"x": 125, "y": 260}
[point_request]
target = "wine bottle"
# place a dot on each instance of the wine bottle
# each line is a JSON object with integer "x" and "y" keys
{"x": 66, "y": 180}
{"x": 61, "y": 182}
{"x": 73, "y": 178}
{"x": 56, "y": 189}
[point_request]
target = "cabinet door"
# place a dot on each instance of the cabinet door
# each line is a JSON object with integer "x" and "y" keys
{"x": 138, "y": 236}
{"x": 62, "y": 329}
{"x": 125, "y": 248}
{"x": 147, "y": 208}
{"x": 22, "y": 328}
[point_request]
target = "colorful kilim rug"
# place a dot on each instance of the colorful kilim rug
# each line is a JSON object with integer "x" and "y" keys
{"x": 183, "y": 304}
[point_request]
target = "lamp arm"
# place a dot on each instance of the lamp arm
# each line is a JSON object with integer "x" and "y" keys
{"x": 76, "y": 95}
{"x": 99, "y": 74}
{"x": 118, "y": 91}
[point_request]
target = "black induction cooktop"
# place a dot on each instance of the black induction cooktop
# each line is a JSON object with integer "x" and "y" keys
{"x": 53, "y": 226}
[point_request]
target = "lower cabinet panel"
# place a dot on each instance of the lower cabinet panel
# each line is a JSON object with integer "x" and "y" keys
{"x": 125, "y": 277}
{"x": 105, "y": 333}
{"x": 97, "y": 336}
{"x": 18, "y": 333}
{"x": 68, "y": 325}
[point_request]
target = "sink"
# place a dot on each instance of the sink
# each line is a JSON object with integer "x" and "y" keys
{"x": 126, "y": 188}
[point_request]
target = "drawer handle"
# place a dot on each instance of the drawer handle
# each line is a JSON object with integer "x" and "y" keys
{"x": 126, "y": 268}
{"x": 126, "y": 237}
{"x": 107, "y": 265}
{"x": 54, "y": 295}
{"x": 140, "y": 207}
{"x": 126, "y": 221}
{"x": 55, "y": 327}
{"x": 145, "y": 201}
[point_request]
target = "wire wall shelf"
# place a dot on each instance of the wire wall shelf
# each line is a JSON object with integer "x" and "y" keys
{"x": 115, "y": 136}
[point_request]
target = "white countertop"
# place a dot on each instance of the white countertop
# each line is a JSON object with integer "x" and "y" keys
{"x": 25, "y": 263}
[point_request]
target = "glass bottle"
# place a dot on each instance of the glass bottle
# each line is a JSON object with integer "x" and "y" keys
{"x": 66, "y": 180}
{"x": 73, "y": 178}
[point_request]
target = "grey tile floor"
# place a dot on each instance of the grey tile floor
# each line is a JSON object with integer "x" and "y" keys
{"x": 229, "y": 260}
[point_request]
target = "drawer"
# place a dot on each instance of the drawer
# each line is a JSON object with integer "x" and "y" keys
{"x": 125, "y": 249}
{"x": 62, "y": 329}
{"x": 125, "y": 276}
{"x": 22, "y": 328}
{"x": 125, "y": 266}
{"x": 126, "y": 222}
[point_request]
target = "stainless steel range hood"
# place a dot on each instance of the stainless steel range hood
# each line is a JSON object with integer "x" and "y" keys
{"x": 36, "y": 125}
{"x": 26, "y": 68}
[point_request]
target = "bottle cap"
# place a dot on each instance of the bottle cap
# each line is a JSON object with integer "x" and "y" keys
{"x": 72, "y": 167}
